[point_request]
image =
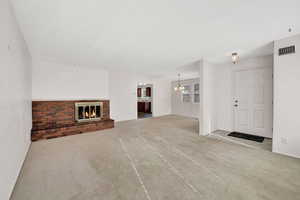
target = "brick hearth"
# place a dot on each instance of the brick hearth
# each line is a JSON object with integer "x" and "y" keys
{"x": 52, "y": 119}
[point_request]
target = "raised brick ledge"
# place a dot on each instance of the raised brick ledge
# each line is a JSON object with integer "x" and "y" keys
{"x": 78, "y": 128}
{"x": 56, "y": 126}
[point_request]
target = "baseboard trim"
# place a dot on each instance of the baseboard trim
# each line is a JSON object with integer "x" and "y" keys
{"x": 25, "y": 158}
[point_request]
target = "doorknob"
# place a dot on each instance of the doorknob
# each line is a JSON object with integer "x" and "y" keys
{"x": 235, "y": 105}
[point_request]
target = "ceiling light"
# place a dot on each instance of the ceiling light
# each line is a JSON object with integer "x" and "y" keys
{"x": 179, "y": 87}
{"x": 234, "y": 57}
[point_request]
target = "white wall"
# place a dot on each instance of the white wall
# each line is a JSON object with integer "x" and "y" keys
{"x": 223, "y": 101}
{"x": 52, "y": 81}
{"x": 207, "y": 117}
{"x": 123, "y": 95}
{"x": 161, "y": 97}
{"x": 15, "y": 100}
{"x": 216, "y": 111}
{"x": 286, "y": 137}
{"x": 178, "y": 107}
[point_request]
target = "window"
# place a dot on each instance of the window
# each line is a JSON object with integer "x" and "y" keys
{"x": 186, "y": 94}
{"x": 196, "y": 93}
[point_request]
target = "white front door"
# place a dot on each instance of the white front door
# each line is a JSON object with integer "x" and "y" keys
{"x": 252, "y": 102}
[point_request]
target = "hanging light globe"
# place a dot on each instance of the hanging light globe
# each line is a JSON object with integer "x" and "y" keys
{"x": 179, "y": 87}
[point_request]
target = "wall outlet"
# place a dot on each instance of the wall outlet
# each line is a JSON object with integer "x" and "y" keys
{"x": 283, "y": 141}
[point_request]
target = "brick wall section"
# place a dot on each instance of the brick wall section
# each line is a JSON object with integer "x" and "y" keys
{"x": 52, "y": 119}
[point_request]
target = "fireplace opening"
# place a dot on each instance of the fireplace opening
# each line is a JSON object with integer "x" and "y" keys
{"x": 87, "y": 111}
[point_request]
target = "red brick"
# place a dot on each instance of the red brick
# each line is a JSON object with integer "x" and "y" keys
{"x": 52, "y": 119}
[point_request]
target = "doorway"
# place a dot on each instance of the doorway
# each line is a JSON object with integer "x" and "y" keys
{"x": 253, "y": 101}
{"x": 144, "y": 100}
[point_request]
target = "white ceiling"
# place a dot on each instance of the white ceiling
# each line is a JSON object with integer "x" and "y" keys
{"x": 152, "y": 36}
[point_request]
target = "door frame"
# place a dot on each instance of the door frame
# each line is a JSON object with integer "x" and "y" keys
{"x": 151, "y": 85}
{"x": 233, "y": 71}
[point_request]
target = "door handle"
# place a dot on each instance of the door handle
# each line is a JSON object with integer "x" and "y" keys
{"x": 235, "y": 105}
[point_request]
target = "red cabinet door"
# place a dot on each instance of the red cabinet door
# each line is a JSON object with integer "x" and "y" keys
{"x": 139, "y": 92}
{"x": 148, "y": 107}
{"x": 148, "y": 91}
{"x": 141, "y": 106}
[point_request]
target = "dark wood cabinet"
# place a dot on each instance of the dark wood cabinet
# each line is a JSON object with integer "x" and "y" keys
{"x": 144, "y": 107}
{"x": 139, "y": 92}
{"x": 147, "y": 107}
{"x": 148, "y": 91}
{"x": 141, "y": 107}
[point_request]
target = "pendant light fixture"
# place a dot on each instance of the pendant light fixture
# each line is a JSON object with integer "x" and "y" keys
{"x": 234, "y": 58}
{"x": 179, "y": 87}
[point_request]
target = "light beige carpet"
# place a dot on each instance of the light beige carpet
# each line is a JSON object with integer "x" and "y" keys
{"x": 154, "y": 159}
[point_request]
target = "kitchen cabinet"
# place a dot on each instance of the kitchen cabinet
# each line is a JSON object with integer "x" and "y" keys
{"x": 139, "y": 92}
{"x": 148, "y": 91}
{"x": 144, "y": 107}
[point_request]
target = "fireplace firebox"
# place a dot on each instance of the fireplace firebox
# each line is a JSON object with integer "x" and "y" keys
{"x": 88, "y": 111}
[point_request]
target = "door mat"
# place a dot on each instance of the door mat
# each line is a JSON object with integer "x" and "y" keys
{"x": 247, "y": 136}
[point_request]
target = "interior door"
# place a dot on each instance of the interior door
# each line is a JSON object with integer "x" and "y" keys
{"x": 253, "y": 95}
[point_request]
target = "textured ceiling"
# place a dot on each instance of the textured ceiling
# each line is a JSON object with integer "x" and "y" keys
{"x": 152, "y": 36}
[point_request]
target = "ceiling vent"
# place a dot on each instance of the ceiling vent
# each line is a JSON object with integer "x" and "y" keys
{"x": 287, "y": 50}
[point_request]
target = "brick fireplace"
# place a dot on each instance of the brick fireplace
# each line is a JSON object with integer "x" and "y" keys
{"x": 52, "y": 119}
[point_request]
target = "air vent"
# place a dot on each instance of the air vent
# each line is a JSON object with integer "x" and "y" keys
{"x": 287, "y": 50}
